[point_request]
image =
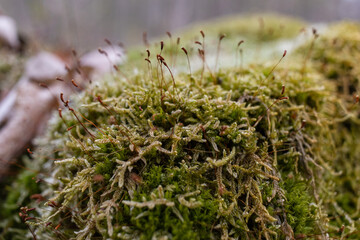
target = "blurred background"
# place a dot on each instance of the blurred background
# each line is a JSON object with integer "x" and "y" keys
{"x": 83, "y": 24}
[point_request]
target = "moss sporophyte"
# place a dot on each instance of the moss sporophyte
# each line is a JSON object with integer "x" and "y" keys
{"x": 184, "y": 150}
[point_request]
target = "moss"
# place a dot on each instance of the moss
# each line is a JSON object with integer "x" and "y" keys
{"x": 261, "y": 27}
{"x": 11, "y": 67}
{"x": 173, "y": 173}
{"x": 177, "y": 221}
{"x": 300, "y": 213}
{"x": 219, "y": 154}
{"x": 336, "y": 52}
{"x": 16, "y": 197}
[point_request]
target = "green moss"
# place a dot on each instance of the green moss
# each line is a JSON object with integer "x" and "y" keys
{"x": 262, "y": 28}
{"x": 336, "y": 53}
{"x": 17, "y": 196}
{"x": 11, "y": 67}
{"x": 226, "y": 154}
{"x": 195, "y": 178}
{"x": 300, "y": 213}
{"x": 177, "y": 221}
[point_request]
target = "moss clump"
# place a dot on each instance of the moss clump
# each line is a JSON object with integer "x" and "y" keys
{"x": 194, "y": 160}
{"x": 239, "y": 153}
{"x": 336, "y": 54}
